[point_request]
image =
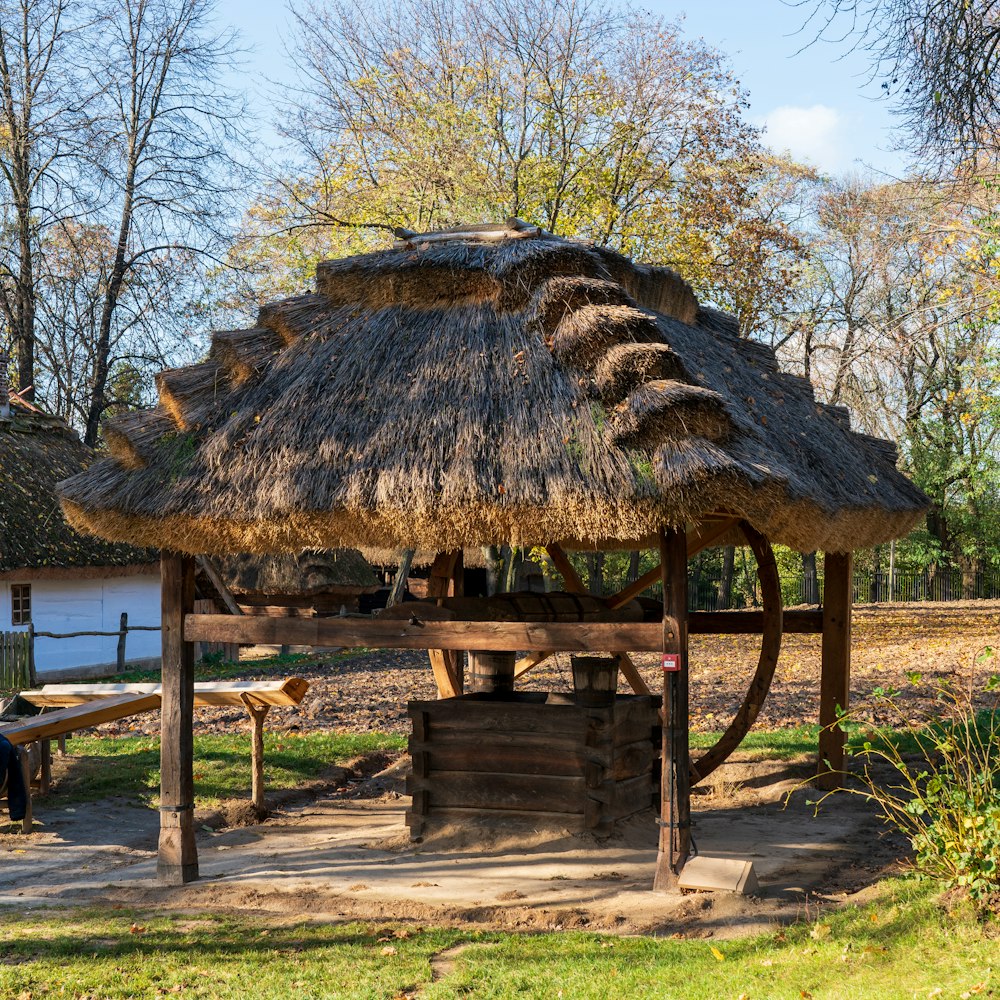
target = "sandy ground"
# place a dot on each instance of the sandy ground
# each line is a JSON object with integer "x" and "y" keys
{"x": 332, "y": 859}
{"x": 337, "y": 857}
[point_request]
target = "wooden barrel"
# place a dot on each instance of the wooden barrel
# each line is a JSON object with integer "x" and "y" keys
{"x": 595, "y": 680}
{"x": 491, "y": 672}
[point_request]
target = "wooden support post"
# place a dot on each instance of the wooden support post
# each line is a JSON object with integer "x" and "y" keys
{"x": 32, "y": 673}
{"x": 26, "y": 823}
{"x": 447, "y": 573}
{"x": 178, "y": 855}
{"x": 675, "y": 796}
{"x": 835, "y": 679}
{"x": 258, "y": 713}
{"x": 122, "y": 635}
{"x": 45, "y": 773}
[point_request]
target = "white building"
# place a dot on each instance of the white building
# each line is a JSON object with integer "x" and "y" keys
{"x": 54, "y": 577}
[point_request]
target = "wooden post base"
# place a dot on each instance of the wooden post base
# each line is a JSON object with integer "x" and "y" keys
{"x": 176, "y": 874}
{"x": 178, "y": 856}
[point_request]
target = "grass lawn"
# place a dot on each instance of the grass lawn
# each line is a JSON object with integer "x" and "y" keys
{"x": 903, "y": 944}
{"x": 130, "y": 765}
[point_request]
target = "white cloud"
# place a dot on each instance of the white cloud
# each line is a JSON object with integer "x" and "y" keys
{"x": 815, "y": 134}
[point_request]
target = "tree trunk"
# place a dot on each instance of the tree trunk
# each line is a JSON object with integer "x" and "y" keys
{"x": 726, "y": 582}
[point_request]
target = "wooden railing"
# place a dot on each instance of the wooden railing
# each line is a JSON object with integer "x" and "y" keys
{"x": 17, "y": 650}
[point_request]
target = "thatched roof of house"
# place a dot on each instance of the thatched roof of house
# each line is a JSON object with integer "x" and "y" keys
{"x": 485, "y": 387}
{"x": 302, "y": 574}
{"x": 37, "y": 451}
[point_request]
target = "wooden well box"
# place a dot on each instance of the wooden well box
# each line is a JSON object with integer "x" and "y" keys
{"x": 532, "y": 756}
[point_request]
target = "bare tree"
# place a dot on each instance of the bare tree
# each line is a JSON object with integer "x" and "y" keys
{"x": 938, "y": 61}
{"x": 42, "y": 109}
{"x": 166, "y": 132}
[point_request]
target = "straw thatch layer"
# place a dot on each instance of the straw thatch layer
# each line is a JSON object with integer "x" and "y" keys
{"x": 463, "y": 393}
{"x": 37, "y": 451}
{"x": 299, "y": 574}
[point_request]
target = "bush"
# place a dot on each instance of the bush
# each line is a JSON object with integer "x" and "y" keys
{"x": 944, "y": 790}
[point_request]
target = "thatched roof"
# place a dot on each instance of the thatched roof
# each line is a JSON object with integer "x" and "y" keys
{"x": 36, "y": 451}
{"x": 463, "y": 391}
{"x": 299, "y": 574}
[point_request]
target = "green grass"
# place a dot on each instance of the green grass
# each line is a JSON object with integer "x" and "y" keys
{"x": 903, "y": 944}
{"x": 768, "y": 744}
{"x": 130, "y": 765}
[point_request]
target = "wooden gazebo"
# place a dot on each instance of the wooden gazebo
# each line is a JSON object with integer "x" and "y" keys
{"x": 490, "y": 385}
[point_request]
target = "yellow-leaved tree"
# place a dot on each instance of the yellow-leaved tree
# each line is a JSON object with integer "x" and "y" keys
{"x": 589, "y": 121}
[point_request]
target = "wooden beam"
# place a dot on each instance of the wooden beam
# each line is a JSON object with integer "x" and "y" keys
{"x": 566, "y": 569}
{"x": 289, "y": 691}
{"x": 81, "y": 716}
{"x": 446, "y": 662}
{"x": 702, "y": 537}
{"x": 752, "y": 622}
{"x": 177, "y": 862}
{"x": 675, "y": 788}
{"x": 516, "y": 636}
{"x": 835, "y": 679}
{"x": 208, "y": 568}
{"x": 378, "y": 634}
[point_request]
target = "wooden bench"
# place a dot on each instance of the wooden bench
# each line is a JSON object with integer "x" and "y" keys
{"x": 42, "y": 728}
{"x": 79, "y": 706}
{"x": 289, "y": 691}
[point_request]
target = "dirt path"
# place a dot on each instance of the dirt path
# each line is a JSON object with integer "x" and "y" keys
{"x": 335, "y": 859}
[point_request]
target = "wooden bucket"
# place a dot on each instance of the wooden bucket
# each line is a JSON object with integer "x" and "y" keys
{"x": 491, "y": 672}
{"x": 595, "y": 680}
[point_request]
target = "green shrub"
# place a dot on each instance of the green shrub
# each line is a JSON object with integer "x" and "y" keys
{"x": 944, "y": 790}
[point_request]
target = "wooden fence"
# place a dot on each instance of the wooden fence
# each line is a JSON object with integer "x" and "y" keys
{"x": 17, "y": 661}
{"x": 17, "y": 651}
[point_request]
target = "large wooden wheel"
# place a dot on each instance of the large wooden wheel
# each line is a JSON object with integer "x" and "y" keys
{"x": 770, "y": 585}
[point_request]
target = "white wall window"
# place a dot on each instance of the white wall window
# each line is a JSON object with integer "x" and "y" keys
{"x": 20, "y": 604}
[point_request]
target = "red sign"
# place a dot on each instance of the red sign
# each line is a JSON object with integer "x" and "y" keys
{"x": 671, "y": 662}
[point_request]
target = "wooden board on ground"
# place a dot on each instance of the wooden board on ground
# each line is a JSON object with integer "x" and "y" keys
{"x": 68, "y": 720}
{"x": 289, "y": 691}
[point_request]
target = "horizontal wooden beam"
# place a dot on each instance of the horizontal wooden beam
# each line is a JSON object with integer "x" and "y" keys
{"x": 752, "y": 622}
{"x": 567, "y": 636}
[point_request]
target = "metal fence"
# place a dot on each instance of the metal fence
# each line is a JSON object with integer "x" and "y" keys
{"x": 705, "y": 589}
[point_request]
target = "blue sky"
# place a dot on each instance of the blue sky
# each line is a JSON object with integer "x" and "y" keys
{"x": 811, "y": 102}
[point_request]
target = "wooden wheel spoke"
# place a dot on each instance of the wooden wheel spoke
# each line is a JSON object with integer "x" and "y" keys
{"x": 767, "y": 572}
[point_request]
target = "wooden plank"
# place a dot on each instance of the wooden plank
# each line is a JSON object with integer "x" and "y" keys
{"x": 632, "y": 796}
{"x": 177, "y": 860}
{"x": 501, "y": 716}
{"x": 752, "y": 622}
{"x": 513, "y": 636}
{"x": 67, "y": 720}
{"x": 446, "y": 661}
{"x": 349, "y": 632}
{"x": 289, "y": 691}
{"x": 496, "y": 758}
{"x": 835, "y": 678}
{"x": 572, "y": 821}
{"x": 208, "y": 568}
{"x": 675, "y": 795}
{"x": 462, "y": 789}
